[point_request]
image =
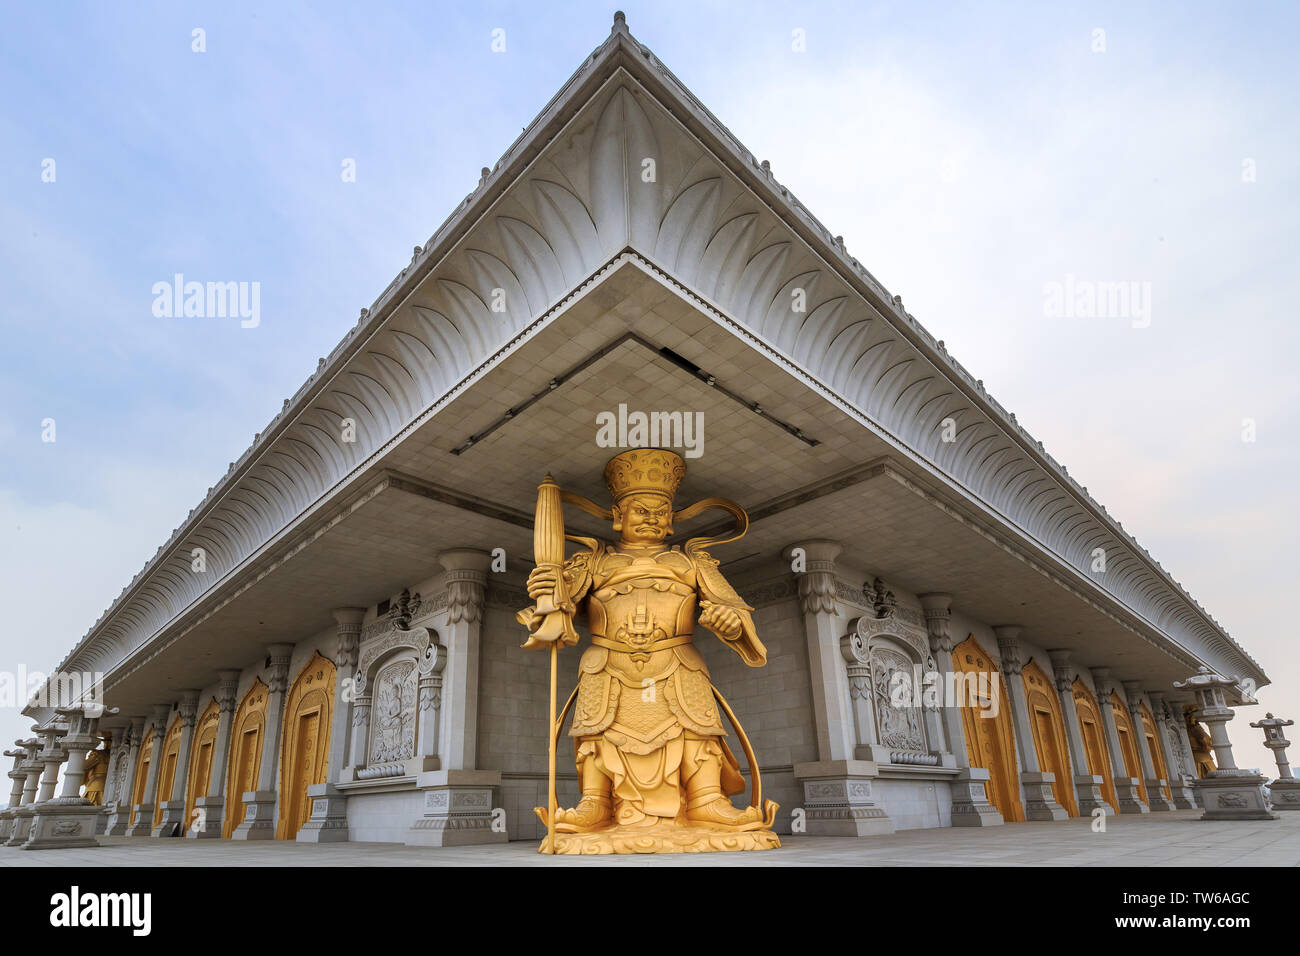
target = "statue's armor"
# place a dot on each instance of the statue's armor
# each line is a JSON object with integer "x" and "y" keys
{"x": 642, "y": 683}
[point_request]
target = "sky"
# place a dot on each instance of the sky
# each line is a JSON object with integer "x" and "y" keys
{"x": 974, "y": 156}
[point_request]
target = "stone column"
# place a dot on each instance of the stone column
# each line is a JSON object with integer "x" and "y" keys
{"x": 857, "y": 665}
{"x": 211, "y": 807}
{"x": 1126, "y": 787}
{"x": 1156, "y": 798}
{"x": 173, "y": 804}
{"x": 839, "y": 797}
{"x": 21, "y": 816}
{"x": 1227, "y": 793}
{"x": 259, "y": 806}
{"x": 52, "y": 755}
{"x": 120, "y": 813}
{"x": 970, "y": 799}
{"x": 1179, "y": 782}
{"x": 68, "y": 820}
{"x": 459, "y": 799}
{"x": 143, "y": 824}
{"x": 1284, "y": 792}
{"x": 1178, "y": 715}
{"x": 1087, "y": 785}
{"x": 329, "y": 819}
{"x": 1040, "y": 799}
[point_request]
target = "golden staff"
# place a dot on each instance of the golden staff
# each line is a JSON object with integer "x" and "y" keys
{"x": 551, "y": 621}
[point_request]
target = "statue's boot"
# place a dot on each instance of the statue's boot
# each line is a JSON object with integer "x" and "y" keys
{"x": 592, "y": 812}
{"x": 716, "y": 810}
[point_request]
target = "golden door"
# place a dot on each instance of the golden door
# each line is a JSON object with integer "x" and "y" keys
{"x": 1094, "y": 741}
{"x": 987, "y": 724}
{"x": 248, "y": 758}
{"x": 303, "y": 773}
{"x": 1052, "y": 759}
{"x": 1128, "y": 746}
{"x": 201, "y": 754}
{"x": 1157, "y": 753}
{"x": 141, "y": 773}
{"x": 1049, "y": 734}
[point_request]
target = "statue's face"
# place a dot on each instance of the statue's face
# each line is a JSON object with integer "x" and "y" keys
{"x": 644, "y": 519}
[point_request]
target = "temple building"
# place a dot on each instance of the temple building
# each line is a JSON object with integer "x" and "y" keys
{"x": 327, "y": 648}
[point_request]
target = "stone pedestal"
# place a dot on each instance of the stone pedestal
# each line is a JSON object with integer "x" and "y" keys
{"x": 1234, "y": 795}
{"x": 207, "y": 825}
{"x": 1284, "y": 794}
{"x": 22, "y": 820}
{"x": 970, "y": 800}
{"x": 259, "y": 816}
{"x": 62, "y": 823}
{"x": 329, "y": 816}
{"x": 1040, "y": 798}
{"x": 839, "y": 799}
{"x": 172, "y": 822}
{"x": 458, "y": 809}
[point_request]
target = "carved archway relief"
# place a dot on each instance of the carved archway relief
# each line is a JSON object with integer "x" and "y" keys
{"x": 247, "y": 733}
{"x": 1128, "y": 745}
{"x": 1094, "y": 739}
{"x": 167, "y": 774}
{"x": 304, "y": 755}
{"x": 202, "y": 750}
{"x": 990, "y": 743}
{"x": 142, "y": 762}
{"x": 1050, "y": 742}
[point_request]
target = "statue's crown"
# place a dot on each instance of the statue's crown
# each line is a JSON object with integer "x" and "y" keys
{"x": 644, "y": 470}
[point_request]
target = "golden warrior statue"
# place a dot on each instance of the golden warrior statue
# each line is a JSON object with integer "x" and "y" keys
{"x": 653, "y": 764}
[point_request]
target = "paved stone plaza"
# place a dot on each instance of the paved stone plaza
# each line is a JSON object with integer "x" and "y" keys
{"x": 1169, "y": 839}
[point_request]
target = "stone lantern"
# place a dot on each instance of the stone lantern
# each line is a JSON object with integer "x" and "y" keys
{"x": 68, "y": 820}
{"x": 1284, "y": 792}
{"x": 1226, "y": 793}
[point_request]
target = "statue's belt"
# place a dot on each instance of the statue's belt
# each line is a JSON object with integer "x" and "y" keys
{"x": 625, "y": 648}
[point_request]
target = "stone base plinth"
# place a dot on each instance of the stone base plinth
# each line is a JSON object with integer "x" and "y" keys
{"x": 6, "y": 823}
{"x": 329, "y": 816}
{"x": 664, "y": 838}
{"x": 1128, "y": 796}
{"x": 61, "y": 823}
{"x": 1284, "y": 794}
{"x": 143, "y": 824}
{"x": 259, "y": 816}
{"x": 173, "y": 821}
{"x": 1156, "y": 798}
{"x": 839, "y": 799}
{"x": 1087, "y": 788}
{"x": 1040, "y": 798}
{"x": 458, "y": 809}
{"x": 101, "y": 820}
{"x": 116, "y": 819}
{"x": 206, "y": 824}
{"x": 1184, "y": 795}
{"x": 1233, "y": 795}
{"x": 20, "y": 821}
{"x": 970, "y": 800}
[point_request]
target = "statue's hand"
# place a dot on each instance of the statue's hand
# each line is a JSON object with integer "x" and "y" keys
{"x": 541, "y": 582}
{"x": 721, "y": 620}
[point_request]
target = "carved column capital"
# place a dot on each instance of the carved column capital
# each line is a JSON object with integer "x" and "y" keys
{"x": 349, "y": 637}
{"x": 227, "y": 683}
{"x": 1133, "y": 695}
{"x": 1008, "y": 636}
{"x": 278, "y": 679}
{"x": 1062, "y": 671}
{"x": 1104, "y": 684}
{"x": 160, "y": 714}
{"x": 466, "y": 580}
{"x": 817, "y": 580}
{"x": 938, "y": 615}
{"x": 189, "y": 705}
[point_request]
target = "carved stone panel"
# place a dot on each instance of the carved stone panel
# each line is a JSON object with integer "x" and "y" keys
{"x": 898, "y": 719}
{"x": 393, "y": 714}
